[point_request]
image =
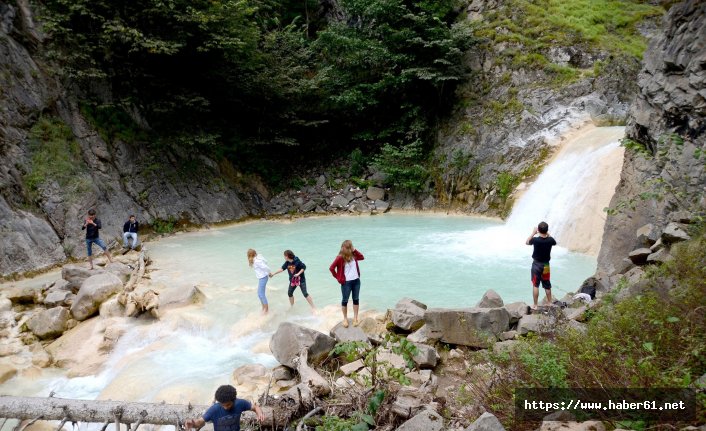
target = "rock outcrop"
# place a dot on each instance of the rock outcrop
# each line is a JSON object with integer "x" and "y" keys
{"x": 290, "y": 339}
{"x": 663, "y": 175}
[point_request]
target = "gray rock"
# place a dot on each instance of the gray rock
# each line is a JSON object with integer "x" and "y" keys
{"x": 572, "y": 426}
{"x": 657, "y": 246}
{"x": 538, "y": 323}
{"x": 577, "y": 313}
{"x": 508, "y": 335}
{"x": 352, "y": 367}
{"x": 22, "y": 295}
{"x": 426, "y": 420}
{"x": 75, "y": 274}
{"x": 505, "y": 346}
{"x": 639, "y": 256}
{"x": 49, "y": 323}
{"x": 382, "y": 206}
{"x": 426, "y": 357}
{"x": 60, "y": 285}
{"x": 625, "y": 265}
{"x": 120, "y": 269}
{"x": 281, "y": 372}
{"x": 674, "y": 232}
{"x": 682, "y": 216}
{"x": 516, "y": 311}
{"x": 57, "y": 298}
{"x": 248, "y": 372}
{"x": 359, "y": 206}
{"x": 408, "y": 314}
{"x": 647, "y": 235}
{"x": 5, "y": 304}
{"x": 490, "y": 299}
{"x": 428, "y": 203}
{"x": 634, "y": 275}
{"x": 422, "y": 335}
{"x": 339, "y": 202}
{"x": 408, "y": 402}
{"x": 486, "y": 422}
{"x": 351, "y": 333}
{"x": 94, "y": 291}
{"x": 375, "y": 193}
{"x": 171, "y": 297}
{"x": 475, "y": 327}
{"x": 659, "y": 257}
{"x": 308, "y": 206}
{"x": 290, "y": 339}
{"x": 321, "y": 181}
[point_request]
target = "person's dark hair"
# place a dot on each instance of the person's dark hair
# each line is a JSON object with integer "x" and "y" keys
{"x": 91, "y": 212}
{"x": 543, "y": 227}
{"x": 289, "y": 254}
{"x": 226, "y": 393}
{"x": 131, "y": 216}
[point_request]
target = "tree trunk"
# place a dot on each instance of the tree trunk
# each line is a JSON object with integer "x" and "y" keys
{"x": 100, "y": 411}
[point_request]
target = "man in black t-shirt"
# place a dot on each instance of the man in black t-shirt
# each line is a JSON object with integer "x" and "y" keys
{"x": 541, "y": 255}
{"x": 92, "y": 225}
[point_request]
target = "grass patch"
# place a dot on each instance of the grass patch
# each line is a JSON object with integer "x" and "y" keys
{"x": 56, "y": 157}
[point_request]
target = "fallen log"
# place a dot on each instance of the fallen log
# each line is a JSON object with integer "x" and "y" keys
{"x": 106, "y": 411}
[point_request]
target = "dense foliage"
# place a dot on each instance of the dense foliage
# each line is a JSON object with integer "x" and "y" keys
{"x": 264, "y": 81}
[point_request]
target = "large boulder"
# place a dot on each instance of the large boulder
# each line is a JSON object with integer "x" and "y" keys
{"x": 426, "y": 420}
{"x": 674, "y": 232}
{"x": 169, "y": 298}
{"x": 408, "y": 314}
{"x": 375, "y": 193}
{"x": 490, "y": 299}
{"x": 351, "y": 333}
{"x": 249, "y": 372}
{"x": 422, "y": 335}
{"x": 49, "y": 323}
{"x": 639, "y": 256}
{"x": 339, "y": 202}
{"x": 290, "y": 339}
{"x": 647, "y": 235}
{"x": 22, "y": 295}
{"x": 426, "y": 357}
{"x": 94, "y": 291}
{"x": 58, "y": 297}
{"x": 120, "y": 269}
{"x": 474, "y": 327}
{"x": 486, "y": 422}
{"x": 76, "y": 274}
{"x": 516, "y": 311}
{"x": 538, "y": 323}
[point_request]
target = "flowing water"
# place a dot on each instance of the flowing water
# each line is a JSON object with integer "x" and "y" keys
{"x": 443, "y": 261}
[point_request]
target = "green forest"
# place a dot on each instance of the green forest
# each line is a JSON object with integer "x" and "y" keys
{"x": 264, "y": 83}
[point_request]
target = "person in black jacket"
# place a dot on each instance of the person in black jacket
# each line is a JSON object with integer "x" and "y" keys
{"x": 92, "y": 225}
{"x": 130, "y": 231}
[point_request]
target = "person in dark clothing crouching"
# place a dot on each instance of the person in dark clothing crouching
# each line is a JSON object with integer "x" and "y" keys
{"x": 541, "y": 255}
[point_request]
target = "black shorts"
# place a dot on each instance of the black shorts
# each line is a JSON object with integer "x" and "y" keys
{"x": 302, "y": 286}
{"x": 540, "y": 272}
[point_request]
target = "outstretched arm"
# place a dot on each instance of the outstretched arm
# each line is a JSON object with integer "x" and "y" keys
{"x": 258, "y": 412}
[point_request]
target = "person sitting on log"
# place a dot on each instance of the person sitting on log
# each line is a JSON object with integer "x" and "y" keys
{"x": 225, "y": 413}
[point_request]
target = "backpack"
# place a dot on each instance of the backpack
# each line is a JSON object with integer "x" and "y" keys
{"x": 588, "y": 290}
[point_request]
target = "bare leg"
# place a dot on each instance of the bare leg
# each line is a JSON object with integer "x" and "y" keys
{"x": 110, "y": 258}
{"x": 291, "y": 301}
{"x": 311, "y": 303}
{"x": 548, "y": 292}
{"x": 535, "y": 296}
{"x": 355, "y": 314}
{"x": 265, "y": 308}
{"x": 344, "y": 311}
{"x": 90, "y": 261}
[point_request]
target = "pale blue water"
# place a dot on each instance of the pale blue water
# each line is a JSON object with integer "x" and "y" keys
{"x": 443, "y": 261}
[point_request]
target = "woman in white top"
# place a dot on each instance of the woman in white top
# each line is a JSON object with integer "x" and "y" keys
{"x": 262, "y": 272}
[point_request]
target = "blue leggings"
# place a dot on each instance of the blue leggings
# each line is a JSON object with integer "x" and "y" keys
{"x": 261, "y": 284}
{"x": 346, "y": 289}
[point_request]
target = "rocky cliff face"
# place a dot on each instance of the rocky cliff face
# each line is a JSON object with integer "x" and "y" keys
{"x": 664, "y": 173}
{"x": 41, "y": 212}
{"x": 518, "y": 104}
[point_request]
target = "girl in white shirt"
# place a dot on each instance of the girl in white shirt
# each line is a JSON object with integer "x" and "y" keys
{"x": 262, "y": 272}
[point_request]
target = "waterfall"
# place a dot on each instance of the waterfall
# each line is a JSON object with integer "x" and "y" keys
{"x": 572, "y": 191}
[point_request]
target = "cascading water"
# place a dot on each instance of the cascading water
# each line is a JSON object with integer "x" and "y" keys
{"x": 572, "y": 191}
{"x": 444, "y": 261}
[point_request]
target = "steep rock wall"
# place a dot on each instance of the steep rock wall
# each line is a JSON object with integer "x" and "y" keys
{"x": 40, "y": 227}
{"x": 664, "y": 173}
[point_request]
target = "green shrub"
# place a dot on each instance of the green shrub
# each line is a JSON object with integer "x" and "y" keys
{"x": 403, "y": 165}
{"x": 505, "y": 183}
{"x": 164, "y": 226}
{"x": 56, "y": 157}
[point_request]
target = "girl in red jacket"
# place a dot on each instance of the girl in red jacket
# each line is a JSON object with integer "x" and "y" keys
{"x": 346, "y": 271}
